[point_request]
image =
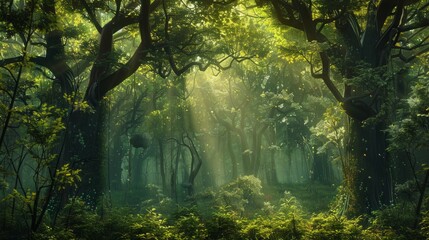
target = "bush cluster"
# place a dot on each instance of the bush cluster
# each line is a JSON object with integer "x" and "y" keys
{"x": 283, "y": 220}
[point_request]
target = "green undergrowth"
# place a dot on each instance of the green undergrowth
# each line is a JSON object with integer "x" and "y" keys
{"x": 305, "y": 193}
{"x": 239, "y": 210}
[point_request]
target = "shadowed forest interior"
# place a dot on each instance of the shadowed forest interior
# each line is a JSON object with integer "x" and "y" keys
{"x": 214, "y": 119}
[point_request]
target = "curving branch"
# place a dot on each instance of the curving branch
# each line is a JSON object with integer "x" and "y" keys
{"x": 285, "y": 13}
{"x": 6, "y": 61}
{"x": 100, "y": 80}
{"x": 196, "y": 161}
{"x": 298, "y": 15}
{"x": 423, "y": 23}
{"x": 392, "y": 31}
{"x": 62, "y": 72}
{"x": 199, "y": 64}
{"x": 91, "y": 16}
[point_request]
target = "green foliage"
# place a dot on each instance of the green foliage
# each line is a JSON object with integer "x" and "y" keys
{"x": 78, "y": 219}
{"x": 151, "y": 225}
{"x": 424, "y": 224}
{"x": 285, "y": 220}
{"x": 275, "y": 227}
{"x": 116, "y": 223}
{"x": 224, "y": 224}
{"x": 394, "y": 222}
{"x": 370, "y": 78}
{"x": 330, "y": 130}
{"x": 397, "y": 217}
{"x": 290, "y": 206}
{"x": 155, "y": 198}
{"x": 76, "y": 103}
{"x": 411, "y": 131}
{"x": 242, "y": 194}
{"x": 44, "y": 124}
{"x": 329, "y": 8}
{"x": 339, "y": 204}
{"x": 67, "y": 177}
{"x": 47, "y": 232}
{"x": 328, "y": 135}
{"x": 328, "y": 226}
{"x": 32, "y": 163}
{"x": 188, "y": 225}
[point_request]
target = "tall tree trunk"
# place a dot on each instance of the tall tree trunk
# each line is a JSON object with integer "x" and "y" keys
{"x": 370, "y": 183}
{"x": 115, "y": 171}
{"x": 174, "y": 173}
{"x": 231, "y": 154}
{"x": 85, "y": 151}
{"x": 162, "y": 164}
{"x": 246, "y": 153}
{"x": 137, "y": 179}
{"x": 257, "y": 145}
{"x": 321, "y": 168}
{"x": 271, "y": 173}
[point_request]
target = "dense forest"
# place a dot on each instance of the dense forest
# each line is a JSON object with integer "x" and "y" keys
{"x": 214, "y": 119}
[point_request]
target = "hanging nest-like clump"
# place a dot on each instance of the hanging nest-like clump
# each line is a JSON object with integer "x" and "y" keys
{"x": 139, "y": 141}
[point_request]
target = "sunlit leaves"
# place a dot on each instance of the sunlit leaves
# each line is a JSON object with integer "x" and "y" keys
{"x": 190, "y": 226}
{"x": 412, "y": 130}
{"x": 330, "y": 130}
{"x": 67, "y": 177}
{"x": 14, "y": 194}
{"x": 241, "y": 194}
{"x": 329, "y": 226}
{"x": 76, "y": 103}
{"x": 44, "y": 124}
{"x": 152, "y": 225}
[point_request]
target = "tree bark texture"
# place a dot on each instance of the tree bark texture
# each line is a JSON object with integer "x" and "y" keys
{"x": 370, "y": 181}
{"x": 85, "y": 151}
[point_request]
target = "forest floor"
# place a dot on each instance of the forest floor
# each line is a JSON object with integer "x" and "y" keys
{"x": 314, "y": 197}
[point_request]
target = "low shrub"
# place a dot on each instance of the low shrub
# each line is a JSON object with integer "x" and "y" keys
{"x": 224, "y": 224}
{"x": 151, "y": 225}
{"x": 280, "y": 227}
{"x": 327, "y": 226}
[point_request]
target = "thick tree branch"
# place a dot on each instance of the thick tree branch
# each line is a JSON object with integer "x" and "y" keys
{"x": 423, "y": 23}
{"x": 406, "y": 59}
{"x": 285, "y": 14}
{"x": 91, "y": 16}
{"x": 99, "y": 83}
{"x": 422, "y": 43}
{"x": 306, "y": 16}
{"x": 384, "y": 10}
{"x": 6, "y": 61}
{"x": 58, "y": 68}
{"x": 392, "y": 30}
{"x": 114, "y": 79}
